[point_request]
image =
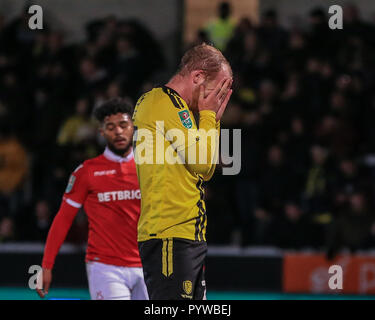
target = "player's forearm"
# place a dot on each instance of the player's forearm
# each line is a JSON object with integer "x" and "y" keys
{"x": 209, "y": 175}
{"x": 206, "y": 147}
{"x": 57, "y": 233}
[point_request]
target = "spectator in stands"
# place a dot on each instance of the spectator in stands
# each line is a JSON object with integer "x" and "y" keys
{"x": 129, "y": 66}
{"x": 200, "y": 37}
{"x": 220, "y": 30}
{"x": 18, "y": 36}
{"x": 297, "y": 153}
{"x": 349, "y": 177}
{"x": 317, "y": 195}
{"x": 78, "y": 134}
{"x": 354, "y": 226}
{"x": 321, "y": 38}
{"x": 272, "y": 192}
{"x": 41, "y": 221}
{"x": 7, "y": 232}
{"x": 292, "y": 230}
{"x": 317, "y": 181}
{"x": 14, "y": 167}
{"x": 92, "y": 77}
{"x": 355, "y": 26}
{"x": 80, "y": 127}
{"x": 271, "y": 34}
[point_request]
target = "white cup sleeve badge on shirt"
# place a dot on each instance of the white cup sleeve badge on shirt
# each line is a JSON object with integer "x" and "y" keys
{"x": 185, "y": 119}
{"x": 71, "y": 181}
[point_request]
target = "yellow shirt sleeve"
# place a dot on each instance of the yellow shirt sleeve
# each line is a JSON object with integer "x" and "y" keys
{"x": 209, "y": 175}
{"x": 197, "y": 148}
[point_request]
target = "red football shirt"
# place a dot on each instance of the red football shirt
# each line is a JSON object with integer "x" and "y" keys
{"x": 107, "y": 187}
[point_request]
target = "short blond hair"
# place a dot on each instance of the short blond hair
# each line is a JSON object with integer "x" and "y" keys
{"x": 203, "y": 57}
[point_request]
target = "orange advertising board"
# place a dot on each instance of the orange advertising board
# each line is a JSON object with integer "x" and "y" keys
{"x": 309, "y": 273}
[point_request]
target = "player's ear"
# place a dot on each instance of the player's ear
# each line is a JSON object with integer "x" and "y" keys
{"x": 198, "y": 77}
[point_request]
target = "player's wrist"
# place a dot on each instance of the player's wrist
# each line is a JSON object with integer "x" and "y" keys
{"x": 207, "y": 112}
{"x": 47, "y": 265}
{"x": 207, "y": 107}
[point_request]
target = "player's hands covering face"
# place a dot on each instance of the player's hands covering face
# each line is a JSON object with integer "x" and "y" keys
{"x": 217, "y": 99}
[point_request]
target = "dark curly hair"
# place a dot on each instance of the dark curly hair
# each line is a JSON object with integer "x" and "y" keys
{"x": 113, "y": 106}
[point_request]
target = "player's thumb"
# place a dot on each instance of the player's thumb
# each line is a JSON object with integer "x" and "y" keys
{"x": 46, "y": 286}
{"x": 201, "y": 93}
{"x": 40, "y": 293}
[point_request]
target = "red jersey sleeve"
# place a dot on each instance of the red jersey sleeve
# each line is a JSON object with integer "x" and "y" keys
{"x": 74, "y": 196}
{"x": 57, "y": 233}
{"x": 77, "y": 188}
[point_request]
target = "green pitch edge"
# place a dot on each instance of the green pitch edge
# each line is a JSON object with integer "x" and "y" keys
{"x": 13, "y": 293}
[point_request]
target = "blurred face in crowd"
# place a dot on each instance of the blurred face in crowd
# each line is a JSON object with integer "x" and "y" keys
{"x": 42, "y": 210}
{"x": 296, "y": 40}
{"x": 104, "y": 39}
{"x": 267, "y": 90}
{"x": 270, "y": 20}
{"x": 224, "y": 10}
{"x": 326, "y": 70}
{"x": 317, "y": 18}
{"x": 113, "y": 90}
{"x": 357, "y": 202}
{"x": 87, "y": 67}
{"x": 111, "y": 24}
{"x": 292, "y": 212}
{"x": 244, "y": 25}
{"x": 337, "y": 101}
{"x": 250, "y": 41}
{"x": 343, "y": 82}
{"x": 297, "y": 126}
{"x": 348, "y": 167}
{"x": 9, "y": 80}
{"x": 118, "y": 130}
{"x": 328, "y": 125}
{"x": 82, "y": 107}
{"x": 55, "y": 41}
{"x": 319, "y": 155}
{"x": 124, "y": 46}
{"x": 313, "y": 65}
{"x": 275, "y": 156}
{"x": 6, "y": 227}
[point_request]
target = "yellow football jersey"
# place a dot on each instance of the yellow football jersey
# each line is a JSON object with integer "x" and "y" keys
{"x": 166, "y": 142}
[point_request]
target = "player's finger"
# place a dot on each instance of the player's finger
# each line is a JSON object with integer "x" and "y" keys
{"x": 225, "y": 102}
{"x": 201, "y": 92}
{"x": 40, "y": 293}
{"x": 219, "y": 86}
{"x": 46, "y": 286}
{"x": 223, "y": 106}
{"x": 224, "y": 89}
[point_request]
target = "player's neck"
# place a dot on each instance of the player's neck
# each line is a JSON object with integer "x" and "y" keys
{"x": 119, "y": 154}
{"x": 126, "y": 154}
{"x": 178, "y": 84}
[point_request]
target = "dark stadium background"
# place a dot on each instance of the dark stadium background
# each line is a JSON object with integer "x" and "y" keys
{"x": 304, "y": 101}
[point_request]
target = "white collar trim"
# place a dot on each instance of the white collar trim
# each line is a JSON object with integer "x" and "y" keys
{"x": 116, "y": 158}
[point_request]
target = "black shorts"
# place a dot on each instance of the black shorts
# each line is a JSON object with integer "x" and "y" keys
{"x": 173, "y": 268}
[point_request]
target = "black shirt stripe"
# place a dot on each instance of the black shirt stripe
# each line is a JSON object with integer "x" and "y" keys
{"x": 199, "y": 225}
{"x": 172, "y": 96}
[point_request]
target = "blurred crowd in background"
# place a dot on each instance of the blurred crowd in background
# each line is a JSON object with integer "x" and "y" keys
{"x": 303, "y": 97}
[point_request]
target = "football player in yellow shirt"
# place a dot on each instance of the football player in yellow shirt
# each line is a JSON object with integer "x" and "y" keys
{"x": 172, "y": 224}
